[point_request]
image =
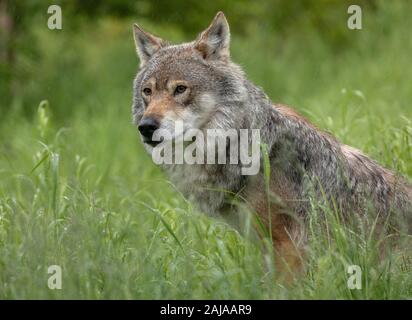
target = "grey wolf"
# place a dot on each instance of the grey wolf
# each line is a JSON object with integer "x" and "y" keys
{"x": 198, "y": 84}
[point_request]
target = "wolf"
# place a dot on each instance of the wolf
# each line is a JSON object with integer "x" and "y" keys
{"x": 198, "y": 84}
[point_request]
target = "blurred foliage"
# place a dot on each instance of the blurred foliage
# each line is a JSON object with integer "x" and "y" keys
{"x": 279, "y": 18}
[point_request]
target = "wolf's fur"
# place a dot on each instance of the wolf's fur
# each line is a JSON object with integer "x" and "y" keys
{"x": 305, "y": 161}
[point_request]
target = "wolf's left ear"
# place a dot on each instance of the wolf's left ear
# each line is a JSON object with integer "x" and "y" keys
{"x": 213, "y": 43}
{"x": 146, "y": 44}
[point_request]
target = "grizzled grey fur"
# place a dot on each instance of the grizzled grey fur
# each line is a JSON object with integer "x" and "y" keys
{"x": 305, "y": 161}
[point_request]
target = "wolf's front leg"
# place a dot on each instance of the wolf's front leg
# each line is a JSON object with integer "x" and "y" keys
{"x": 285, "y": 231}
{"x": 288, "y": 252}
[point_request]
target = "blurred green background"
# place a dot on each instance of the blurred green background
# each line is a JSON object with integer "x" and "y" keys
{"x": 77, "y": 189}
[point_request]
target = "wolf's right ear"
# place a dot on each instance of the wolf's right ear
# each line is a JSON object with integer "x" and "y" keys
{"x": 146, "y": 44}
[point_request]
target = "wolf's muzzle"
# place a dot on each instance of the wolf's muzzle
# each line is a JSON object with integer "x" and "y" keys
{"x": 147, "y": 127}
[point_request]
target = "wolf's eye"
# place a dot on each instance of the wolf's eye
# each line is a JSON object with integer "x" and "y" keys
{"x": 147, "y": 91}
{"x": 180, "y": 89}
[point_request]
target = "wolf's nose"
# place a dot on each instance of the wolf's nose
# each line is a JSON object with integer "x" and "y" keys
{"x": 147, "y": 126}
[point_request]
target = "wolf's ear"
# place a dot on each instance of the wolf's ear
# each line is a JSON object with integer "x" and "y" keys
{"x": 213, "y": 43}
{"x": 146, "y": 44}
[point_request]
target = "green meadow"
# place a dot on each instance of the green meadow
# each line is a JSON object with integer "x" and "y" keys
{"x": 78, "y": 190}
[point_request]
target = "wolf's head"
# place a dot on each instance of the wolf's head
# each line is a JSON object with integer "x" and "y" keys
{"x": 194, "y": 83}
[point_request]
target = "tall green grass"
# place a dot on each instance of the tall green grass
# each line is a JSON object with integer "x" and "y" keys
{"x": 78, "y": 190}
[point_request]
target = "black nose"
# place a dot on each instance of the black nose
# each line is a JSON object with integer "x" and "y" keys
{"x": 147, "y": 126}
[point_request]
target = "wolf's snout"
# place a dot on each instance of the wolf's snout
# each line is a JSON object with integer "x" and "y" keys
{"x": 147, "y": 126}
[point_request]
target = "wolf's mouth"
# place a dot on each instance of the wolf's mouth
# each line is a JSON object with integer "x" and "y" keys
{"x": 175, "y": 139}
{"x": 155, "y": 143}
{"x": 151, "y": 142}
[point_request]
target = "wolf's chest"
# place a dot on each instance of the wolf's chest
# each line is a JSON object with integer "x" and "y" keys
{"x": 206, "y": 185}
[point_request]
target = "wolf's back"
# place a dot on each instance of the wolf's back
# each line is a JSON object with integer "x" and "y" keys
{"x": 390, "y": 192}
